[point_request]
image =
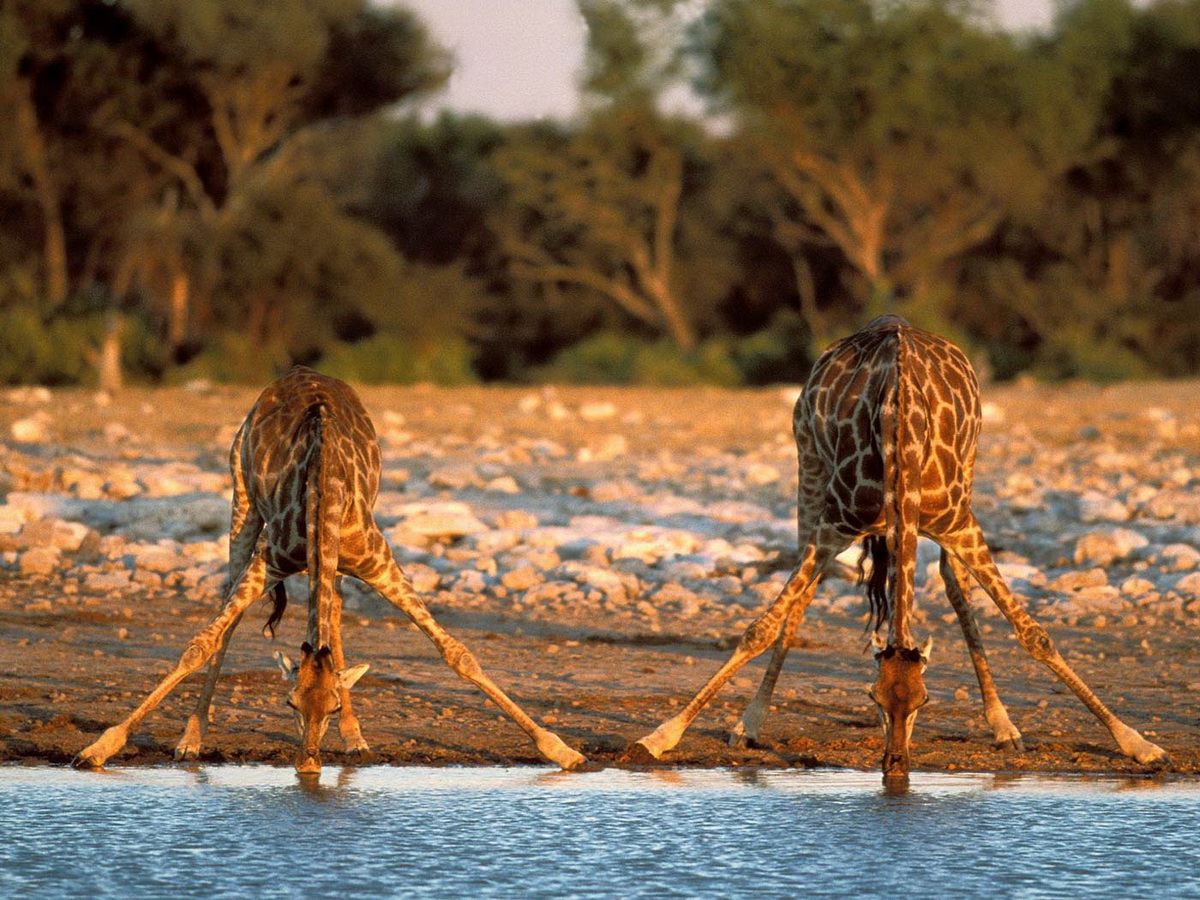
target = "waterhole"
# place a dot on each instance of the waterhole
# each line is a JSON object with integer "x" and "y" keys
{"x": 256, "y": 831}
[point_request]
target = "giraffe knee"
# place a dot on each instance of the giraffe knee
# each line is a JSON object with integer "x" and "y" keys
{"x": 195, "y": 654}
{"x": 461, "y": 660}
{"x": 1037, "y": 642}
{"x": 759, "y": 636}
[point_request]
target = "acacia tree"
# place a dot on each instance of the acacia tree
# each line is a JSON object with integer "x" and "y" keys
{"x": 883, "y": 124}
{"x": 270, "y": 83}
{"x": 601, "y": 212}
{"x": 601, "y": 209}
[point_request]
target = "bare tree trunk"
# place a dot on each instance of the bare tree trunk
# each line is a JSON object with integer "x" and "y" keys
{"x": 54, "y": 242}
{"x": 177, "y": 318}
{"x": 109, "y": 361}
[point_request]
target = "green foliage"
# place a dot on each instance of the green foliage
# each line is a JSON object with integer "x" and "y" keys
{"x": 232, "y": 358}
{"x": 775, "y": 354}
{"x": 36, "y": 351}
{"x": 612, "y": 358}
{"x": 389, "y": 359}
{"x": 231, "y": 177}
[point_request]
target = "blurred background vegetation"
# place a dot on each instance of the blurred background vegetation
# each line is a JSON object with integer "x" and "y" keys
{"x": 219, "y": 188}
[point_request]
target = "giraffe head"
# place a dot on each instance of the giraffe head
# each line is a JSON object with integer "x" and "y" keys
{"x": 316, "y": 695}
{"x": 899, "y": 691}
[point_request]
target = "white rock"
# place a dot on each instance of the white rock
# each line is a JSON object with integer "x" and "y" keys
{"x": 444, "y": 520}
{"x": 51, "y": 532}
{"x": 31, "y": 430}
{"x": 597, "y": 411}
{"x": 1188, "y": 585}
{"x": 1078, "y": 581}
{"x": 505, "y": 484}
{"x": 102, "y": 582}
{"x": 993, "y": 413}
{"x": 761, "y": 473}
{"x": 1179, "y": 557}
{"x": 39, "y": 560}
{"x": 1102, "y": 548}
{"x": 1097, "y": 507}
{"x": 610, "y": 447}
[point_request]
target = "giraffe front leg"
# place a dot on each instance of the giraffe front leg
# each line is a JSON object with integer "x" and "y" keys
{"x": 198, "y": 651}
{"x": 394, "y": 585}
{"x": 971, "y": 548}
{"x": 957, "y": 581}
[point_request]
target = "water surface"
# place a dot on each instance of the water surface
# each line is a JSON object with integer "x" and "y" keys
{"x": 236, "y": 831}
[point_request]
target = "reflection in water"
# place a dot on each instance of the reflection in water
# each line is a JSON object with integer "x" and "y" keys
{"x": 238, "y": 830}
{"x": 896, "y": 786}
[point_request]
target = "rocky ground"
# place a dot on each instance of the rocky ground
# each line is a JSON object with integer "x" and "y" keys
{"x": 600, "y": 550}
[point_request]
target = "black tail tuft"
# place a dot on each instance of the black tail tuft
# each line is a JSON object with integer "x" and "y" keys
{"x": 875, "y": 546}
{"x": 279, "y": 601}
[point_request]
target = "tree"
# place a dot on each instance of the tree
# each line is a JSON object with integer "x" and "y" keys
{"x": 601, "y": 210}
{"x": 883, "y": 124}
{"x": 268, "y": 82}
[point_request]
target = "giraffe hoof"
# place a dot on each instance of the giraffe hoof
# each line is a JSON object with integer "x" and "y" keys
{"x": 1011, "y": 745}
{"x": 360, "y": 756}
{"x": 637, "y": 754}
{"x": 1157, "y": 758}
{"x": 739, "y": 740}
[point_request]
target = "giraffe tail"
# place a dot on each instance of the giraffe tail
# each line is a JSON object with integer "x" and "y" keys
{"x": 326, "y": 499}
{"x": 901, "y": 436}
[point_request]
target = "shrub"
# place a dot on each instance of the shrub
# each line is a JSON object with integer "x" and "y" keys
{"x": 390, "y": 359}
{"x": 612, "y": 358}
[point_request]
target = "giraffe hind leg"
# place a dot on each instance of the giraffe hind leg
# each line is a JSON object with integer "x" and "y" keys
{"x": 969, "y": 546}
{"x": 957, "y": 581}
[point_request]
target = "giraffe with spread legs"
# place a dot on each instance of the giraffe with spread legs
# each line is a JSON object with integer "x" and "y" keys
{"x": 306, "y": 469}
{"x": 886, "y": 433}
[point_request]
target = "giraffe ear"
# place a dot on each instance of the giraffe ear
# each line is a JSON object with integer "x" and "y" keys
{"x": 287, "y": 668}
{"x": 878, "y": 641}
{"x": 347, "y": 677}
{"x": 925, "y": 649}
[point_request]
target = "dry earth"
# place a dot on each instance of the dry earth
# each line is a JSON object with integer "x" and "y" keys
{"x": 600, "y": 550}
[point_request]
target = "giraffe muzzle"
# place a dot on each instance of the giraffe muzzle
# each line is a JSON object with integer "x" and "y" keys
{"x": 308, "y": 763}
{"x": 895, "y": 765}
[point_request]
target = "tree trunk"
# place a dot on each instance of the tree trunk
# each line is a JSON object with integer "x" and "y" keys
{"x": 54, "y": 242}
{"x": 108, "y": 364}
{"x": 177, "y": 317}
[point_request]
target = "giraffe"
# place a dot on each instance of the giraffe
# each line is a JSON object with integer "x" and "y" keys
{"x": 306, "y": 470}
{"x": 886, "y": 433}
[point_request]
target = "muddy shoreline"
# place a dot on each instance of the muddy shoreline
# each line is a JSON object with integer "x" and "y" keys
{"x": 600, "y": 551}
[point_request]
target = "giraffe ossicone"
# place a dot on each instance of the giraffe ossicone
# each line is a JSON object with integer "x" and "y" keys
{"x": 306, "y": 471}
{"x": 886, "y": 432}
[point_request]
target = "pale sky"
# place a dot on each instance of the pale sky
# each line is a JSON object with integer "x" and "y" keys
{"x": 518, "y": 59}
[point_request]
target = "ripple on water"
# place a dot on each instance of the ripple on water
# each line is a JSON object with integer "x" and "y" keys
{"x": 229, "y": 831}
